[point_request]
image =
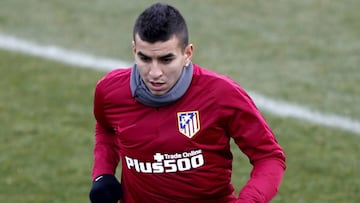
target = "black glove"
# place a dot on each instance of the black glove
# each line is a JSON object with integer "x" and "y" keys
{"x": 105, "y": 189}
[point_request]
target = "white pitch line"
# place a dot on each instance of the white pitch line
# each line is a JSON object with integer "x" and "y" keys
{"x": 59, "y": 54}
{"x": 286, "y": 109}
{"x": 276, "y": 107}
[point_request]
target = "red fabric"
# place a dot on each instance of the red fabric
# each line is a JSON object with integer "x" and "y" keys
{"x": 162, "y": 164}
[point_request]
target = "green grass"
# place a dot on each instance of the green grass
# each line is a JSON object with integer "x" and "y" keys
{"x": 47, "y": 139}
{"x": 301, "y": 51}
{"x": 281, "y": 48}
{"x": 46, "y": 130}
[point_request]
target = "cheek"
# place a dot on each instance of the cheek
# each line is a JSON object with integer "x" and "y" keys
{"x": 143, "y": 69}
{"x": 177, "y": 68}
{"x": 174, "y": 73}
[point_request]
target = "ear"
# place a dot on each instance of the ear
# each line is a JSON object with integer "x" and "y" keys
{"x": 188, "y": 52}
{"x": 133, "y": 47}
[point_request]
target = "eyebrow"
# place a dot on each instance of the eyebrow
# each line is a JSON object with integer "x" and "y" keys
{"x": 142, "y": 54}
{"x": 169, "y": 55}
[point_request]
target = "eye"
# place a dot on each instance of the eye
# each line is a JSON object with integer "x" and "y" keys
{"x": 167, "y": 60}
{"x": 145, "y": 59}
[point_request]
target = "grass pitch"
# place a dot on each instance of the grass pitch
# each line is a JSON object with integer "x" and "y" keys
{"x": 301, "y": 51}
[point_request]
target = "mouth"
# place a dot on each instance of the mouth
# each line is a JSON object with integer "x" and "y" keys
{"x": 156, "y": 87}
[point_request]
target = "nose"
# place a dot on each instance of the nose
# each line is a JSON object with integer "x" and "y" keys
{"x": 155, "y": 70}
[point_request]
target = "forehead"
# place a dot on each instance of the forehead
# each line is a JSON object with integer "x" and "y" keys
{"x": 157, "y": 48}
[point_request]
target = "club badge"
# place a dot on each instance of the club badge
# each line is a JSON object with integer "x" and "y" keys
{"x": 188, "y": 123}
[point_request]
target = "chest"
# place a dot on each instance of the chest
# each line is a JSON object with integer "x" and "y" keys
{"x": 186, "y": 125}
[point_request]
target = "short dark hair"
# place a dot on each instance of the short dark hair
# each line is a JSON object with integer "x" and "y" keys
{"x": 160, "y": 22}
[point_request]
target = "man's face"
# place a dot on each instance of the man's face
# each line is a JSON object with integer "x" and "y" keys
{"x": 160, "y": 64}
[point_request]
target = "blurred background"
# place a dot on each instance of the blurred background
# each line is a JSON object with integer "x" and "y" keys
{"x": 302, "y": 52}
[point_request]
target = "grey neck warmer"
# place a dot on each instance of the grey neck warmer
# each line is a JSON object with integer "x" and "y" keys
{"x": 143, "y": 94}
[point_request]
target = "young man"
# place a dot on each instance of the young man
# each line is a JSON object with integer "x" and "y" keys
{"x": 170, "y": 123}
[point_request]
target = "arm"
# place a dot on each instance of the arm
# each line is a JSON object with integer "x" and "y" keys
{"x": 106, "y": 156}
{"x": 264, "y": 181}
{"x": 105, "y": 187}
{"x": 268, "y": 160}
{"x": 256, "y": 140}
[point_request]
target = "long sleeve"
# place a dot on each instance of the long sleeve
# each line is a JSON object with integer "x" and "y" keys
{"x": 257, "y": 141}
{"x": 264, "y": 181}
{"x": 106, "y": 155}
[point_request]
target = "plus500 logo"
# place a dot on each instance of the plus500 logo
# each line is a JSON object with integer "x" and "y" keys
{"x": 168, "y": 163}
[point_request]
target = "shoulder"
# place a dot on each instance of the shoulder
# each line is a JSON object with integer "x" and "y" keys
{"x": 223, "y": 89}
{"x": 114, "y": 78}
{"x": 116, "y": 74}
{"x": 213, "y": 81}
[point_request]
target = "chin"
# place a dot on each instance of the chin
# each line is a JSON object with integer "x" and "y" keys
{"x": 157, "y": 93}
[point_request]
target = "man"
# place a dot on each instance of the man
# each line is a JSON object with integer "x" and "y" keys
{"x": 170, "y": 123}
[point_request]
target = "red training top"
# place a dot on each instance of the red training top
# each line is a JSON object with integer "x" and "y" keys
{"x": 181, "y": 152}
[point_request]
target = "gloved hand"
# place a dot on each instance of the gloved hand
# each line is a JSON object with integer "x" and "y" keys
{"x": 105, "y": 189}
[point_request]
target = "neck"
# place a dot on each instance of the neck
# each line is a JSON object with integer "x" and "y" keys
{"x": 142, "y": 94}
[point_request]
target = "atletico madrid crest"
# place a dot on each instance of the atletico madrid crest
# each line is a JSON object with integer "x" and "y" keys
{"x": 188, "y": 123}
